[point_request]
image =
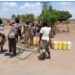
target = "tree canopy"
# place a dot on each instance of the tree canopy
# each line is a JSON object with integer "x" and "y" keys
{"x": 25, "y": 17}
{"x": 13, "y": 16}
{"x": 48, "y": 14}
{"x": 64, "y": 15}
{"x": 51, "y": 16}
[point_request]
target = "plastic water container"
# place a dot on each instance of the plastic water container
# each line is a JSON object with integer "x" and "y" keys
{"x": 59, "y": 45}
{"x": 55, "y": 45}
{"x": 65, "y": 45}
{"x": 69, "y": 45}
{"x": 36, "y": 41}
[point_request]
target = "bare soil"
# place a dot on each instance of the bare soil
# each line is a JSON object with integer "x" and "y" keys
{"x": 62, "y": 62}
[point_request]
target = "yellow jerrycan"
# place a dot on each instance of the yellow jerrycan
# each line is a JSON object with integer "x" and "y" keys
{"x": 69, "y": 45}
{"x": 65, "y": 45}
{"x": 55, "y": 45}
{"x": 36, "y": 41}
{"x": 60, "y": 45}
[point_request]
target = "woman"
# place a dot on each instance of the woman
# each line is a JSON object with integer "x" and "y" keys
{"x": 17, "y": 29}
{"x": 45, "y": 40}
{"x": 27, "y": 33}
{"x": 12, "y": 41}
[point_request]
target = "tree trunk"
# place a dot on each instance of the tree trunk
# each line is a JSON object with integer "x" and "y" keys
{"x": 53, "y": 31}
{"x": 67, "y": 28}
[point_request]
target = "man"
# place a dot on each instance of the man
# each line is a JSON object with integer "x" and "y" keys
{"x": 45, "y": 38}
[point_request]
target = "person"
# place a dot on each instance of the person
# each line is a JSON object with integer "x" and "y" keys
{"x": 12, "y": 23}
{"x": 1, "y": 23}
{"x": 2, "y": 36}
{"x": 12, "y": 41}
{"x": 17, "y": 29}
{"x": 26, "y": 33}
{"x": 31, "y": 33}
{"x": 2, "y": 41}
{"x": 45, "y": 38}
{"x": 39, "y": 25}
{"x": 34, "y": 30}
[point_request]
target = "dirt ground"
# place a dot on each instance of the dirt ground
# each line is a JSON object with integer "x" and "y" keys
{"x": 62, "y": 62}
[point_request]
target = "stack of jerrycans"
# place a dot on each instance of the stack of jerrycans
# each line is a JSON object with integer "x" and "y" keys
{"x": 61, "y": 45}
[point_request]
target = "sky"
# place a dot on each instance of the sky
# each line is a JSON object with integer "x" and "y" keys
{"x": 23, "y": 7}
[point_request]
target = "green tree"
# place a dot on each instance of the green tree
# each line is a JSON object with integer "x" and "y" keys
{"x": 13, "y": 16}
{"x": 49, "y": 16}
{"x": 18, "y": 16}
{"x": 45, "y": 5}
{"x": 25, "y": 17}
{"x": 50, "y": 8}
{"x": 29, "y": 17}
{"x": 64, "y": 15}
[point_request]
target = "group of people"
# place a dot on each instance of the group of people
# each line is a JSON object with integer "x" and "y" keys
{"x": 28, "y": 31}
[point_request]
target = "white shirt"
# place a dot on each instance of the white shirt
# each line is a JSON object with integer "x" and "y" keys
{"x": 45, "y": 33}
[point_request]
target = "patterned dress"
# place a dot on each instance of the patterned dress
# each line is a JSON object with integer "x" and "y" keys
{"x": 27, "y": 32}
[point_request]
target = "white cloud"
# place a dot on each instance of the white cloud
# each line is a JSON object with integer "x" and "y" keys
{"x": 65, "y": 3}
{"x": 9, "y": 5}
{"x": 24, "y": 6}
{"x": 27, "y": 7}
{"x": 30, "y": 5}
{"x": 9, "y": 8}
